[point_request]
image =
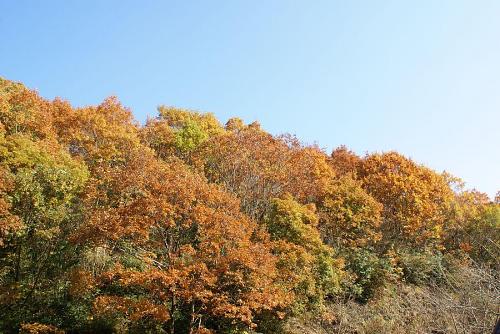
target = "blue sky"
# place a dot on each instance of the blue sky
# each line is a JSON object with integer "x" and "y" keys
{"x": 419, "y": 77}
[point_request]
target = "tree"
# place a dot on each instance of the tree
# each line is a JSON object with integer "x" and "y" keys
{"x": 235, "y": 124}
{"x": 44, "y": 183}
{"x": 9, "y": 223}
{"x": 307, "y": 266}
{"x": 182, "y": 243}
{"x": 345, "y": 161}
{"x": 349, "y": 217}
{"x": 186, "y": 226}
{"x": 179, "y": 132}
{"x": 474, "y": 226}
{"x": 258, "y": 167}
{"x": 23, "y": 111}
{"x": 100, "y": 135}
{"x": 416, "y": 199}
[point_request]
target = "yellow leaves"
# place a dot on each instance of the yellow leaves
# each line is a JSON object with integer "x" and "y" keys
{"x": 416, "y": 199}
{"x": 288, "y": 220}
{"x": 349, "y": 215}
{"x": 177, "y": 118}
{"x": 179, "y": 132}
{"x": 469, "y": 205}
{"x": 203, "y": 331}
{"x": 305, "y": 265}
{"x": 474, "y": 226}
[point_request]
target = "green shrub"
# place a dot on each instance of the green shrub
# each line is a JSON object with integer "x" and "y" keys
{"x": 371, "y": 273}
{"x": 421, "y": 268}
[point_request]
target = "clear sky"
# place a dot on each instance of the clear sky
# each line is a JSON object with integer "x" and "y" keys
{"x": 419, "y": 77}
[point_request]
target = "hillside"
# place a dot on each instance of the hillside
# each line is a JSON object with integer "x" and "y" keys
{"x": 186, "y": 225}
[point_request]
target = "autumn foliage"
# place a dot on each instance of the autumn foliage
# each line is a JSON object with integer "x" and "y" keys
{"x": 185, "y": 225}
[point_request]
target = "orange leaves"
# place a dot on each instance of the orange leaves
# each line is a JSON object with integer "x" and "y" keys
{"x": 309, "y": 174}
{"x": 24, "y": 111}
{"x": 184, "y": 224}
{"x": 159, "y": 136}
{"x": 257, "y": 167}
{"x": 416, "y": 199}
{"x": 345, "y": 161}
{"x": 191, "y": 243}
{"x": 133, "y": 309}
{"x": 105, "y": 133}
{"x": 82, "y": 282}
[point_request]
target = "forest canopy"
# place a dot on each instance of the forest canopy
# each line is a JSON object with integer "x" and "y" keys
{"x": 188, "y": 225}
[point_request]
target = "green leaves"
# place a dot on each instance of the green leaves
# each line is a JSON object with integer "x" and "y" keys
{"x": 45, "y": 181}
{"x": 189, "y": 137}
{"x": 317, "y": 272}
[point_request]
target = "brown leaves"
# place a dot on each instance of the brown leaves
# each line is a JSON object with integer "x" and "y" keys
{"x": 344, "y": 161}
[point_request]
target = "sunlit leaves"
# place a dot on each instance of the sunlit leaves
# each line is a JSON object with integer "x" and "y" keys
{"x": 194, "y": 249}
{"x": 258, "y": 167}
{"x": 185, "y": 226}
{"x": 178, "y": 131}
{"x": 305, "y": 262}
{"x": 416, "y": 199}
{"x": 349, "y": 215}
{"x": 102, "y": 134}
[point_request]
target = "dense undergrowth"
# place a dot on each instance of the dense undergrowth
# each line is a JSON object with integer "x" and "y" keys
{"x": 185, "y": 225}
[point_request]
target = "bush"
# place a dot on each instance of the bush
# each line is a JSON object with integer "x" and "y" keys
{"x": 371, "y": 273}
{"x": 421, "y": 268}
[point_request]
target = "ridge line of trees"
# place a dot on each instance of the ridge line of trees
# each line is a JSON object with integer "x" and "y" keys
{"x": 185, "y": 225}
